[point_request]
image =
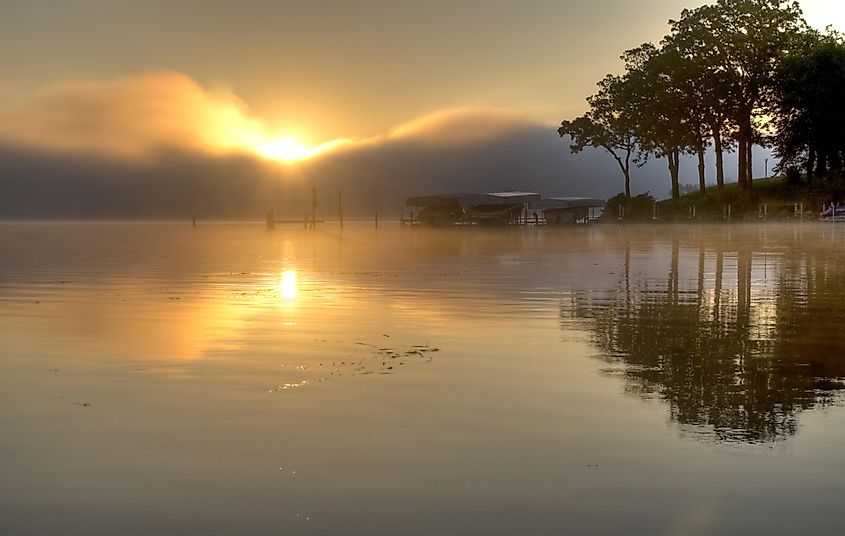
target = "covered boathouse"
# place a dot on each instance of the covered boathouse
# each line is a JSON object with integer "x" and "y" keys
{"x": 563, "y": 210}
{"x": 501, "y": 208}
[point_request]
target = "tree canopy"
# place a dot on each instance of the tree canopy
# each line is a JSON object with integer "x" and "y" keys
{"x": 728, "y": 75}
{"x": 608, "y": 126}
{"x": 811, "y": 109}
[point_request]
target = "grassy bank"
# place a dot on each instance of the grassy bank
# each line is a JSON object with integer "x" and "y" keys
{"x": 776, "y": 196}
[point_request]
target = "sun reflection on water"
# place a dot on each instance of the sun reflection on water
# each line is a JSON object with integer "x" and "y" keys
{"x": 288, "y": 285}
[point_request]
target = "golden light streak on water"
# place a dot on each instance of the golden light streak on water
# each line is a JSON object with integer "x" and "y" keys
{"x": 288, "y": 286}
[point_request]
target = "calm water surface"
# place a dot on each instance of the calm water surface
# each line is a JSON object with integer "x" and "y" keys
{"x": 161, "y": 379}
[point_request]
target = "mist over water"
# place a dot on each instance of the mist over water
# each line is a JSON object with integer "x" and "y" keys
{"x": 598, "y": 379}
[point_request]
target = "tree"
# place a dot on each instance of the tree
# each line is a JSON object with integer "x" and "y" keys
{"x": 655, "y": 92}
{"x": 810, "y": 108}
{"x": 739, "y": 45}
{"x": 693, "y": 83}
{"x": 749, "y": 39}
{"x": 708, "y": 82}
{"x": 607, "y": 125}
{"x": 714, "y": 77}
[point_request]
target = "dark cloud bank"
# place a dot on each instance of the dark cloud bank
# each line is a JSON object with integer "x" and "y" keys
{"x": 41, "y": 184}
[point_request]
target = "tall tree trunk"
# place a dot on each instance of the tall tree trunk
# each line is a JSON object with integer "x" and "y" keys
{"x": 720, "y": 157}
{"x": 744, "y": 140}
{"x": 674, "y": 168}
{"x": 701, "y": 170}
{"x": 750, "y": 162}
{"x": 625, "y": 167}
{"x": 627, "y": 183}
{"x": 742, "y": 156}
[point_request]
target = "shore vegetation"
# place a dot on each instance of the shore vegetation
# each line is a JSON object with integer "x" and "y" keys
{"x": 728, "y": 77}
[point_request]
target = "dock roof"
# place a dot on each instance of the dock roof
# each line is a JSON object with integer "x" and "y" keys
{"x": 470, "y": 199}
{"x": 535, "y": 200}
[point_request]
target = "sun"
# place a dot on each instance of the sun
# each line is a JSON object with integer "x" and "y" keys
{"x": 286, "y": 149}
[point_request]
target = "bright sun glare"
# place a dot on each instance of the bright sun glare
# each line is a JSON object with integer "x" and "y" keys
{"x": 288, "y": 285}
{"x": 285, "y": 149}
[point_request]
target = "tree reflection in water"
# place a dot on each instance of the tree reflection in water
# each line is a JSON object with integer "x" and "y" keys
{"x": 738, "y": 337}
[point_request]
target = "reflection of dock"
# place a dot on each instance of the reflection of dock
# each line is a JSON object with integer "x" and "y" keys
{"x": 501, "y": 208}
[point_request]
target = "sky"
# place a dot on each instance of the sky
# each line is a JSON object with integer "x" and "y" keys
{"x": 300, "y": 81}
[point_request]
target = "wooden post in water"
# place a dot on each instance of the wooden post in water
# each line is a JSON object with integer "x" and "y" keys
{"x": 654, "y": 211}
{"x": 340, "y": 208}
{"x": 305, "y": 220}
{"x": 377, "y": 219}
{"x": 271, "y": 220}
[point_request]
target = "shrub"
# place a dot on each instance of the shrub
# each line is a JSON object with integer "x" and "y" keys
{"x": 637, "y": 208}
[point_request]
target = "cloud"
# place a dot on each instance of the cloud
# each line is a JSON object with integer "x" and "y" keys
{"x": 138, "y": 115}
{"x": 461, "y": 126}
{"x": 131, "y": 117}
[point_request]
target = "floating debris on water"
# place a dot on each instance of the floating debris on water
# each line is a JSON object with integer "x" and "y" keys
{"x": 382, "y": 360}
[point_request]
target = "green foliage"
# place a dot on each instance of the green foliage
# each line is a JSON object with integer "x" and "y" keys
{"x": 714, "y": 79}
{"x": 639, "y": 208}
{"x": 779, "y": 194}
{"x": 811, "y": 108}
{"x": 608, "y": 126}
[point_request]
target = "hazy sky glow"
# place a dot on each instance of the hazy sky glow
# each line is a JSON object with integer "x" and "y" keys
{"x": 319, "y": 71}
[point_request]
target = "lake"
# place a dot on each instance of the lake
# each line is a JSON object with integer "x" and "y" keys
{"x": 157, "y": 378}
